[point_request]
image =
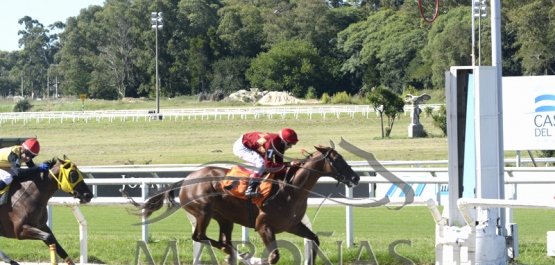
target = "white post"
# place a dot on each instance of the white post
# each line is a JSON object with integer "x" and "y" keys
{"x": 349, "y": 213}
{"x": 144, "y": 227}
{"x": 245, "y": 234}
{"x": 83, "y": 236}
{"x": 50, "y": 213}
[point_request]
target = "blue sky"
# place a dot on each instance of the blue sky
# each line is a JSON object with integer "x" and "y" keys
{"x": 45, "y": 11}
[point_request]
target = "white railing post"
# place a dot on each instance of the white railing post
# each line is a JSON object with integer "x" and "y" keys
{"x": 144, "y": 227}
{"x": 350, "y": 223}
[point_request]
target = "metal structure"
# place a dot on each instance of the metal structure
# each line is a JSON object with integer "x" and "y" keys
{"x": 157, "y": 23}
{"x": 480, "y": 235}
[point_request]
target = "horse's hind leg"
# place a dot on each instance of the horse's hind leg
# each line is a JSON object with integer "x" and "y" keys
{"x": 226, "y": 229}
{"x": 29, "y": 232}
{"x": 199, "y": 235}
{"x": 303, "y": 231}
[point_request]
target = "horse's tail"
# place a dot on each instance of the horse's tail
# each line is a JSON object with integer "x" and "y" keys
{"x": 156, "y": 202}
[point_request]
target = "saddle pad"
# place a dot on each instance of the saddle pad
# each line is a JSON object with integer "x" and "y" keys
{"x": 4, "y": 194}
{"x": 4, "y": 190}
{"x": 237, "y": 181}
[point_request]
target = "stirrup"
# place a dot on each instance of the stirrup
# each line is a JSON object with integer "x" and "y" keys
{"x": 250, "y": 193}
{"x": 253, "y": 195}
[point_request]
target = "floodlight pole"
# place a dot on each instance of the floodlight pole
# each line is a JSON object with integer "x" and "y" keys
{"x": 479, "y": 8}
{"x": 157, "y": 86}
{"x": 157, "y": 23}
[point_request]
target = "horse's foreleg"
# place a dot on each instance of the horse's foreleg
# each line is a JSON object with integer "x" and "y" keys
{"x": 7, "y": 259}
{"x": 303, "y": 231}
{"x": 29, "y": 232}
{"x": 269, "y": 239}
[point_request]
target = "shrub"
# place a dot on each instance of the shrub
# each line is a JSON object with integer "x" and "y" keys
{"x": 428, "y": 111}
{"x": 410, "y": 90}
{"x": 202, "y": 96}
{"x": 440, "y": 120}
{"x": 217, "y": 95}
{"x": 22, "y": 106}
{"x": 341, "y": 98}
{"x": 311, "y": 93}
{"x": 325, "y": 98}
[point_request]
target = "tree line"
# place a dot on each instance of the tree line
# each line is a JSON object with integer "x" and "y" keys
{"x": 306, "y": 47}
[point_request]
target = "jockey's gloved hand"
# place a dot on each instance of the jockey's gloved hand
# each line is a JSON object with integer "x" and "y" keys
{"x": 43, "y": 167}
{"x": 51, "y": 163}
{"x": 294, "y": 164}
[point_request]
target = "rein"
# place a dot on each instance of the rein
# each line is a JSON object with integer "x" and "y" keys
{"x": 326, "y": 157}
{"x": 63, "y": 177}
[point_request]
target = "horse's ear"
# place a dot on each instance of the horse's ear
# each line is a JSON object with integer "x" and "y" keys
{"x": 332, "y": 144}
{"x": 65, "y": 157}
{"x": 320, "y": 148}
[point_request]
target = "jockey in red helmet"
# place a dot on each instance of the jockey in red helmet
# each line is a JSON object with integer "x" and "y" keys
{"x": 261, "y": 150}
{"x": 11, "y": 158}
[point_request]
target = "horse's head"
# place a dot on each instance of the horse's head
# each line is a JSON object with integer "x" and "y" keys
{"x": 71, "y": 180}
{"x": 338, "y": 168}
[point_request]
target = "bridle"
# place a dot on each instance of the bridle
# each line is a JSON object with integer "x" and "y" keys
{"x": 337, "y": 175}
{"x": 63, "y": 180}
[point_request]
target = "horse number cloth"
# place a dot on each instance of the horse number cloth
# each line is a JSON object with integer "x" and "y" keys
{"x": 237, "y": 181}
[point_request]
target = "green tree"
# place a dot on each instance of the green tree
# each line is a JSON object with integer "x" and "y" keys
{"x": 36, "y": 56}
{"x": 80, "y": 42}
{"x": 380, "y": 48}
{"x": 241, "y": 29}
{"x": 8, "y": 69}
{"x": 386, "y": 102}
{"x": 291, "y": 66}
{"x": 115, "y": 68}
{"x": 199, "y": 65}
{"x": 533, "y": 24}
{"x": 449, "y": 44}
{"x": 229, "y": 74}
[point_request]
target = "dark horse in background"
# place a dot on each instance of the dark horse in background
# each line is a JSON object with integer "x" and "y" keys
{"x": 202, "y": 195}
{"x": 24, "y": 214}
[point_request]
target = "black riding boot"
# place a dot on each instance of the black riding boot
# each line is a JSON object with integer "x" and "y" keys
{"x": 2, "y": 184}
{"x": 252, "y": 190}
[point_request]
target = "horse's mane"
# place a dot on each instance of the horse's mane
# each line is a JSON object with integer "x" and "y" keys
{"x": 310, "y": 155}
{"x": 307, "y": 156}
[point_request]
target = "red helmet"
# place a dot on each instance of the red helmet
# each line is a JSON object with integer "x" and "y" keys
{"x": 288, "y": 135}
{"x": 32, "y": 145}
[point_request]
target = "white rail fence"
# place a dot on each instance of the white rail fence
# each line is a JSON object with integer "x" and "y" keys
{"x": 438, "y": 176}
{"x": 192, "y": 113}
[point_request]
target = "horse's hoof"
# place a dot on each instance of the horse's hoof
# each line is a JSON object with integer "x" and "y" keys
{"x": 13, "y": 262}
{"x": 258, "y": 261}
{"x": 230, "y": 259}
{"x": 243, "y": 255}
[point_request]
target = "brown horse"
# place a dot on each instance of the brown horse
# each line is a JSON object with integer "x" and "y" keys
{"x": 202, "y": 195}
{"x": 24, "y": 214}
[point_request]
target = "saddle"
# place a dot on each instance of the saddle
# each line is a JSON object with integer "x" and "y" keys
{"x": 237, "y": 181}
